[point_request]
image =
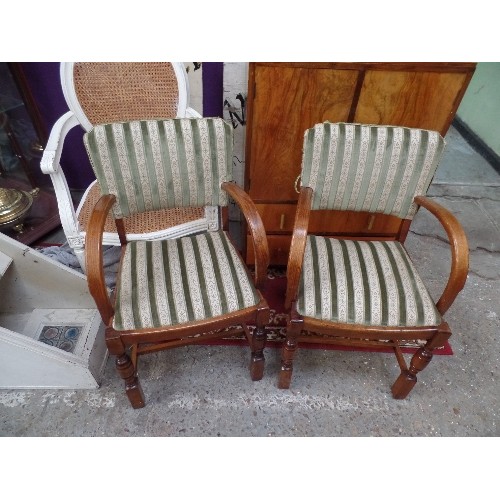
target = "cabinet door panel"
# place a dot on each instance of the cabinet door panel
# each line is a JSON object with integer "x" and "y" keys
{"x": 287, "y": 101}
{"x": 280, "y": 218}
{"x": 354, "y": 223}
{"x": 412, "y": 99}
{"x": 277, "y": 217}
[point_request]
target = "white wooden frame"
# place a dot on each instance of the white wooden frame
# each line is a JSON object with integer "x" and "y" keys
{"x": 35, "y": 290}
{"x": 50, "y": 164}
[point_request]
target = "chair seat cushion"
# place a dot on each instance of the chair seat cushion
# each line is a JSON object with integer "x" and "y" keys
{"x": 364, "y": 283}
{"x": 166, "y": 282}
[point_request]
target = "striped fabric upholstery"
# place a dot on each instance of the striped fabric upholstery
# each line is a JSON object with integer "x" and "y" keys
{"x": 157, "y": 164}
{"x": 363, "y": 282}
{"x": 166, "y": 282}
{"x": 369, "y": 168}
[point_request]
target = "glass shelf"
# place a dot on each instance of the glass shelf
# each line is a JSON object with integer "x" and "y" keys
{"x": 21, "y": 146}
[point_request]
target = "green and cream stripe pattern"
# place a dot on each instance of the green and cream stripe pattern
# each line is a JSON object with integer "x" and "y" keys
{"x": 158, "y": 164}
{"x": 166, "y": 282}
{"x": 369, "y": 168}
{"x": 363, "y": 282}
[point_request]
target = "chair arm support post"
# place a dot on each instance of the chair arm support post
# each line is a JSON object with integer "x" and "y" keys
{"x": 49, "y": 163}
{"x": 256, "y": 226}
{"x": 298, "y": 244}
{"x": 459, "y": 251}
{"x": 94, "y": 257}
{"x": 67, "y": 215}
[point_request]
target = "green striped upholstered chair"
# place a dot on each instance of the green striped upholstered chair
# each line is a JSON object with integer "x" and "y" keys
{"x": 182, "y": 290}
{"x": 359, "y": 289}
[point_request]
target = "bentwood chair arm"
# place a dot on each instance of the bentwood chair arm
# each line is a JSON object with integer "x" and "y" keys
{"x": 298, "y": 244}
{"x": 94, "y": 257}
{"x": 459, "y": 251}
{"x": 256, "y": 227}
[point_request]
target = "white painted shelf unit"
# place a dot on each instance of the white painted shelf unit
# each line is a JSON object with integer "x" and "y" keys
{"x": 39, "y": 298}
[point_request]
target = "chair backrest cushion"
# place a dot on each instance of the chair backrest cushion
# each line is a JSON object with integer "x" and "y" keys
{"x": 158, "y": 164}
{"x": 125, "y": 91}
{"x": 369, "y": 168}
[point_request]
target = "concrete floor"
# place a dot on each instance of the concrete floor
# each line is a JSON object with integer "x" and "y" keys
{"x": 207, "y": 391}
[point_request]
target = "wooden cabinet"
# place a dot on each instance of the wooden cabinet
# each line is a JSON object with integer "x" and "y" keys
{"x": 285, "y": 99}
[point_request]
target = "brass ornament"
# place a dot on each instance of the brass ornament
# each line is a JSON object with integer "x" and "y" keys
{"x": 15, "y": 205}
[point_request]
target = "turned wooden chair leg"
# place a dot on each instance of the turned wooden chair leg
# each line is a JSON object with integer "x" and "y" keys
{"x": 258, "y": 344}
{"x": 126, "y": 370}
{"x": 257, "y": 360}
{"x": 408, "y": 378}
{"x": 294, "y": 328}
{"x": 133, "y": 388}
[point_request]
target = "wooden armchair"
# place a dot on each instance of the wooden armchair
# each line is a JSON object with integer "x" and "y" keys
{"x": 177, "y": 291}
{"x": 104, "y": 92}
{"x": 360, "y": 289}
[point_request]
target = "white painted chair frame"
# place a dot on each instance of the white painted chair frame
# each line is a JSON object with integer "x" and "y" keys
{"x": 50, "y": 164}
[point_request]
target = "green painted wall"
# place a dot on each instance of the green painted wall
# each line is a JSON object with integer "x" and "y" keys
{"x": 480, "y": 106}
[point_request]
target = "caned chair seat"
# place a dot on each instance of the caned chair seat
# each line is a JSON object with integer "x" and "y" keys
{"x": 167, "y": 282}
{"x": 363, "y": 282}
{"x": 144, "y": 222}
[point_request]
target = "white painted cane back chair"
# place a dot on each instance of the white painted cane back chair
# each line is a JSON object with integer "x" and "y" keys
{"x": 363, "y": 290}
{"x": 182, "y": 290}
{"x": 97, "y": 93}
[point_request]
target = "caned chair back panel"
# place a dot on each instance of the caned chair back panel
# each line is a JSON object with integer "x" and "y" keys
{"x": 369, "y": 168}
{"x": 157, "y": 164}
{"x": 112, "y": 92}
